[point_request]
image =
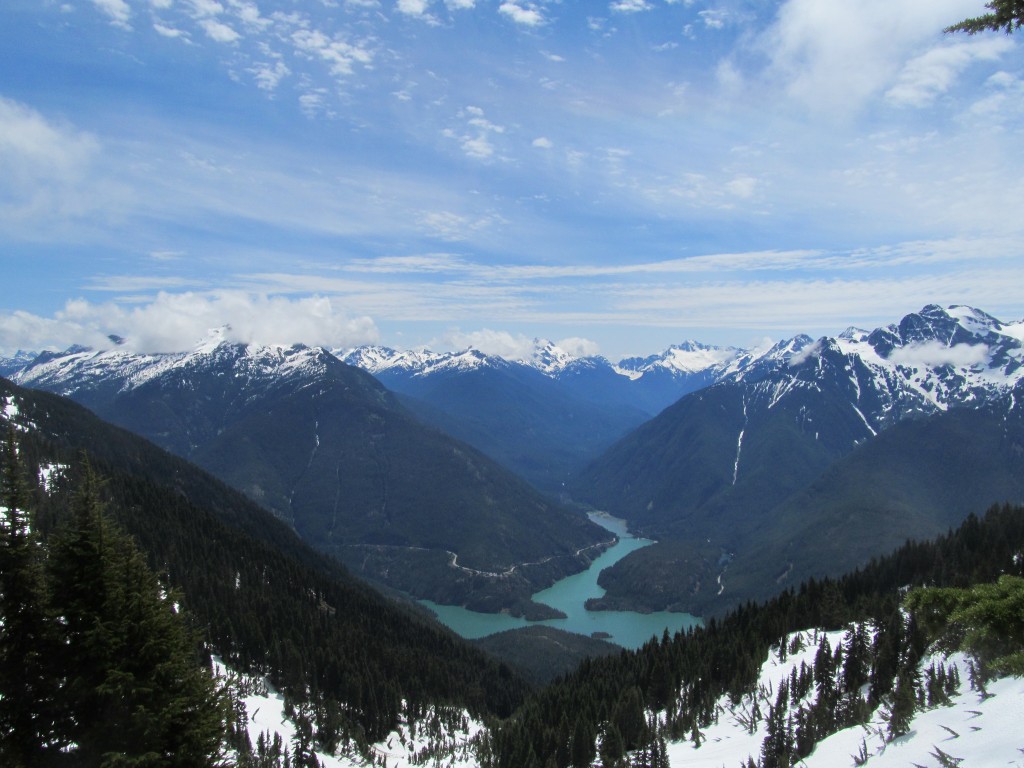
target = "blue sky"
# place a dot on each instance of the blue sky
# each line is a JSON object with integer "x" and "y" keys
{"x": 617, "y": 176}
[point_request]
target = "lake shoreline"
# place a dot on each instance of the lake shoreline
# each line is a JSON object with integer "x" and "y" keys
{"x": 569, "y": 596}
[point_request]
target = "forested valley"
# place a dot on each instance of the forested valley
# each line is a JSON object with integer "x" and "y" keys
{"x": 154, "y": 574}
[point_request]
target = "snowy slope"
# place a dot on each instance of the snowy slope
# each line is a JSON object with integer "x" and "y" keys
{"x": 119, "y": 370}
{"x": 439, "y": 739}
{"x": 980, "y": 731}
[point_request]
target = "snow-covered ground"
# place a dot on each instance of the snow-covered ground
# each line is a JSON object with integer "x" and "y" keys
{"x": 979, "y": 731}
{"x": 973, "y": 731}
{"x": 402, "y": 748}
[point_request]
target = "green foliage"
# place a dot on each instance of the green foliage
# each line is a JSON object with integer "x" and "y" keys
{"x": 265, "y": 602}
{"x": 685, "y": 677}
{"x": 28, "y": 690}
{"x": 110, "y": 675}
{"x": 1006, "y": 15}
{"x": 358, "y": 476}
{"x": 985, "y": 620}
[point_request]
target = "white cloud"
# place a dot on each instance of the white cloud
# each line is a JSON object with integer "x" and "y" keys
{"x": 174, "y": 322}
{"x": 338, "y": 52}
{"x": 542, "y": 142}
{"x": 118, "y": 10}
{"x": 412, "y": 7}
{"x": 1005, "y": 99}
{"x": 933, "y": 73}
{"x": 45, "y": 166}
{"x": 475, "y": 140}
{"x": 452, "y": 227}
{"x": 630, "y": 6}
{"x": 742, "y": 186}
{"x": 206, "y": 7}
{"x": 249, "y": 14}
{"x": 268, "y": 76}
{"x": 805, "y": 354}
{"x": 218, "y": 31}
{"x": 313, "y": 102}
{"x": 433, "y": 262}
{"x": 579, "y": 347}
{"x": 833, "y": 55}
{"x": 528, "y": 16}
{"x": 170, "y": 32}
{"x": 714, "y": 18}
{"x": 490, "y": 342}
{"x": 460, "y": 5}
{"x": 934, "y": 353}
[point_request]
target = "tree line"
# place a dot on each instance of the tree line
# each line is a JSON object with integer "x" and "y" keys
{"x": 624, "y": 707}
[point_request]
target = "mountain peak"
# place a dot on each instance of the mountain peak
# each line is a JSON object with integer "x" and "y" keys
{"x": 548, "y": 357}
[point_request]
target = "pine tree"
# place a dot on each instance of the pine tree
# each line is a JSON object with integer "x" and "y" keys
{"x": 134, "y": 694}
{"x": 901, "y": 713}
{"x": 27, "y": 689}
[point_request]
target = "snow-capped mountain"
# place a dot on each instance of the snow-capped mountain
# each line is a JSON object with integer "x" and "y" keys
{"x": 931, "y": 360}
{"x": 688, "y": 358}
{"x": 817, "y": 454}
{"x": 326, "y": 447}
{"x": 92, "y": 375}
{"x": 648, "y": 383}
{"x": 512, "y": 410}
{"x": 13, "y": 364}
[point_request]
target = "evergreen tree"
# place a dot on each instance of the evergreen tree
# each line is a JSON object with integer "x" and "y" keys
{"x": 27, "y": 689}
{"x": 134, "y": 694}
{"x": 583, "y": 750}
{"x": 986, "y": 620}
{"x": 1006, "y": 15}
{"x": 901, "y": 713}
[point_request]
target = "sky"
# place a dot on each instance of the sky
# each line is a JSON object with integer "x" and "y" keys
{"x": 613, "y": 176}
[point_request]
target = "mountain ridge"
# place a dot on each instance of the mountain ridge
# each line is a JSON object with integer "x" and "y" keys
{"x": 326, "y": 447}
{"x": 741, "y": 468}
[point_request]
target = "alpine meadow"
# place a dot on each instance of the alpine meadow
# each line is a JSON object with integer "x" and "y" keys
{"x": 511, "y": 384}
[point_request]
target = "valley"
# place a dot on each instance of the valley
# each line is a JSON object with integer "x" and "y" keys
{"x": 772, "y": 496}
{"x": 569, "y": 596}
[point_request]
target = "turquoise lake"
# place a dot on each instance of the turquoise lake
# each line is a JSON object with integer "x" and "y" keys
{"x": 627, "y": 628}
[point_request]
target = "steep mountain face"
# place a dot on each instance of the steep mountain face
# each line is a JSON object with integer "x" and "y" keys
{"x": 513, "y": 412}
{"x": 11, "y": 365}
{"x": 327, "y": 448}
{"x": 266, "y": 602}
{"x": 731, "y": 477}
{"x": 548, "y": 414}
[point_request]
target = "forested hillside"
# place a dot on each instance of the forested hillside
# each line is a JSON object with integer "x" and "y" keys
{"x": 260, "y": 598}
{"x": 328, "y": 449}
{"x": 671, "y": 689}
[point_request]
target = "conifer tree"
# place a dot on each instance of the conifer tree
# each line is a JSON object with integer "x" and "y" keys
{"x": 135, "y": 694}
{"x": 27, "y": 689}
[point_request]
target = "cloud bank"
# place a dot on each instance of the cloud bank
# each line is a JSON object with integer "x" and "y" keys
{"x": 177, "y": 322}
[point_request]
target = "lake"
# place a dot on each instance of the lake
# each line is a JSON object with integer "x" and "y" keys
{"x": 627, "y": 628}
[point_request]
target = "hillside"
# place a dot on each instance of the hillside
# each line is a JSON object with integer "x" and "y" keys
{"x": 264, "y": 601}
{"x": 648, "y": 703}
{"x": 813, "y": 458}
{"x": 514, "y": 413}
{"x": 329, "y": 450}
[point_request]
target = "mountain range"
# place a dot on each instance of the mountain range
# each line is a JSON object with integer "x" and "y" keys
{"x": 545, "y": 415}
{"x": 748, "y": 467}
{"x": 814, "y": 457}
{"x": 328, "y": 449}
